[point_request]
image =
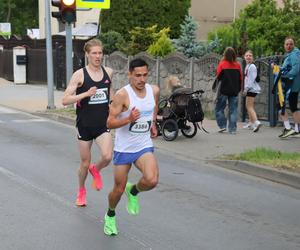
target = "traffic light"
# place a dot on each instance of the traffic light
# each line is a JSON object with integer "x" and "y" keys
{"x": 67, "y": 10}
{"x": 56, "y": 14}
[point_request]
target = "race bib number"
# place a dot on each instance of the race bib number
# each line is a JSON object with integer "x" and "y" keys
{"x": 140, "y": 127}
{"x": 101, "y": 96}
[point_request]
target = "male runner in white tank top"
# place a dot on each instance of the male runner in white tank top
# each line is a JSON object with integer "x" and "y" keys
{"x": 133, "y": 114}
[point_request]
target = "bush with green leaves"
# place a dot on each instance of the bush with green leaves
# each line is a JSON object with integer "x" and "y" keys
{"x": 262, "y": 27}
{"x": 124, "y": 15}
{"x": 22, "y": 14}
{"x": 111, "y": 41}
{"x": 140, "y": 40}
{"x": 163, "y": 44}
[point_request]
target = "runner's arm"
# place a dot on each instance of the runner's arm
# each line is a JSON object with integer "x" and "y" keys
{"x": 76, "y": 81}
{"x": 119, "y": 104}
{"x": 111, "y": 89}
{"x": 154, "y": 131}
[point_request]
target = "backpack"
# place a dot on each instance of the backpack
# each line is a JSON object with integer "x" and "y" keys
{"x": 194, "y": 110}
{"x": 257, "y": 79}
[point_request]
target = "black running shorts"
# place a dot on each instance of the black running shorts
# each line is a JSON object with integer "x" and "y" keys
{"x": 90, "y": 133}
{"x": 251, "y": 94}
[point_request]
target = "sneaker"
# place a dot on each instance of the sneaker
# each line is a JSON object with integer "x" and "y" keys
{"x": 286, "y": 133}
{"x": 248, "y": 125}
{"x": 81, "y": 198}
{"x": 110, "y": 225}
{"x": 256, "y": 126}
{"x": 295, "y": 134}
{"x": 97, "y": 179}
{"x": 133, "y": 206}
{"x": 221, "y": 130}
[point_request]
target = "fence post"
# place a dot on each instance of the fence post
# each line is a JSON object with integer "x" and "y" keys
{"x": 192, "y": 72}
{"x": 157, "y": 71}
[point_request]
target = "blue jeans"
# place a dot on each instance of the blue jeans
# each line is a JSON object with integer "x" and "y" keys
{"x": 220, "y": 115}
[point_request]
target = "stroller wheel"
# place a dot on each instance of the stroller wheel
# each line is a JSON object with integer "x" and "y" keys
{"x": 189, "y": 130}
{"x": 169, "y": 130}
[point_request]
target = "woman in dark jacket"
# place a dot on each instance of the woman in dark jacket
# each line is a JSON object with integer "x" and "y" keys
{"x": 229, "y": 74}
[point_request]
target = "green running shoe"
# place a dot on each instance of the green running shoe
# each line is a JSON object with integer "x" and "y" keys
{"x": 133, "y": 206}
{"x": 110, "y": 225}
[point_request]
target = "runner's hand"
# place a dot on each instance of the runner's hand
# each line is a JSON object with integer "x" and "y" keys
{"x": 134, "y": 114}
{"x": 92, "y": 91}
{"x": 153, "y": 130}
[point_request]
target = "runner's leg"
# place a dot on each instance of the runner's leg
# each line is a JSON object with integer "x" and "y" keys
{"x": 120, "y": 180}
{"x": 85, "y": 160}
{"x": 104, "y": 143}
{"x": 147, "y": 164}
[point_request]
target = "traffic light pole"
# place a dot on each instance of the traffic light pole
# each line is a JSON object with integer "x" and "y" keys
{"x": 49, "y": 57}
{"x": 69, "y": 50}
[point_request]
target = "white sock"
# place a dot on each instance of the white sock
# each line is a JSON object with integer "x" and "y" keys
{"x": 296, "y": 127}
{"x": 287, "y": 124}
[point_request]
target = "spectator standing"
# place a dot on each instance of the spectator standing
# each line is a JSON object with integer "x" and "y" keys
{"x": 229, "y": 75}
{"x": 251, "y": 89}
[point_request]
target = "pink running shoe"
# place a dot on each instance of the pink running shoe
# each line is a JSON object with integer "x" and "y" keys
{"x": 97, "y": 179}
{"x": 81, "y": 198}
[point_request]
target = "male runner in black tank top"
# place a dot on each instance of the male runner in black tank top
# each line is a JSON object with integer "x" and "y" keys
{"x": 90, "y": 88}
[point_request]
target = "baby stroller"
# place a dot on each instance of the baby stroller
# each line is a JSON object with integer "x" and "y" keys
{"x": 182, "y": 110}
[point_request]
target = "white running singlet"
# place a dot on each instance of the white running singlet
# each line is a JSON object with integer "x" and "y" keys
{"x": 136, "y": 136}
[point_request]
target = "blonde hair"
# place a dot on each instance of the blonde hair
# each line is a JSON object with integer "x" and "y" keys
{"x": 171, "y": 82}
{"x": 92, "y": 43}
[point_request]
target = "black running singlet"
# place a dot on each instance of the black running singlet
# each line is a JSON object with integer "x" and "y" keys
{"x": 93, "y": 111}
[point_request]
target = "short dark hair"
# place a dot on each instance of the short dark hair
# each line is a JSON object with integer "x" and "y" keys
{"x": 138, "y": 62}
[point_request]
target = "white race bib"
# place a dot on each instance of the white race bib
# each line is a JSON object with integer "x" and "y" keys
{"x": 101, "y": 96}
{"x": 140, "y": 127}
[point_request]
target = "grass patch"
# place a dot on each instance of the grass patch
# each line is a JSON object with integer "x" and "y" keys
{"x": 68, "y": 111}
{"x": 265, "y": 156}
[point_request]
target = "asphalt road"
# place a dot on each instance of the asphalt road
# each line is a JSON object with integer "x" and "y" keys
{"x": 195, "y": 206}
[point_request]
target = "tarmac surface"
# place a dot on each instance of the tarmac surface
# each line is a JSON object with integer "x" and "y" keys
{"x": 207, "y": 147}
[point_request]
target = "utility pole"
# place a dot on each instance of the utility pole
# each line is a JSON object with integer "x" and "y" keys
{"x": 49, "y": 57}
{"x": 234, "y": 9}
{"x": 69, "y": 51}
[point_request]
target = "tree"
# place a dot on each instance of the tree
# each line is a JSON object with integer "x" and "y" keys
{"x": 124, "y": 15}
{"x": 22, "y": 14}
{"x": 187, "y": 43}
{"x": 262, "y": 27}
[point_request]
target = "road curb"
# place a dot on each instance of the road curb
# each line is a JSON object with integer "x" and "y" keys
{"x": 56, "y": 117}
{"x": 280, "y": 176}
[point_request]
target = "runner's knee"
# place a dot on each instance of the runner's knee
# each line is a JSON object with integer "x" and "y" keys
{"x": 151, "y": 182}
{"x": 106, "y": 157}
{"x": 119, "y": 189}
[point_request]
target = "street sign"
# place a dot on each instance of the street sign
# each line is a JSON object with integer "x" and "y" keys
{"x": 95, "y": 4}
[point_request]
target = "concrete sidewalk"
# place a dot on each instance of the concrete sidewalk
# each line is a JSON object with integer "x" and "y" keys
{"x": 203, "y": 147}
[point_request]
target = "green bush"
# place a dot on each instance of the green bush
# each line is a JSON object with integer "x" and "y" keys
{"x": 163, "y": 45}
{"x": 111, "y": 41}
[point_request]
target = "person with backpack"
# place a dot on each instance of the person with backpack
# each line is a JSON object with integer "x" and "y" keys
{"x": 229, "y": 76}
{"x": 251, "y": 89}
{"x": 290, "y": 77}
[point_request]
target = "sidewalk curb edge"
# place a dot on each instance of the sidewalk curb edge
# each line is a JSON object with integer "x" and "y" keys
{"x": 280, "y": 176}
